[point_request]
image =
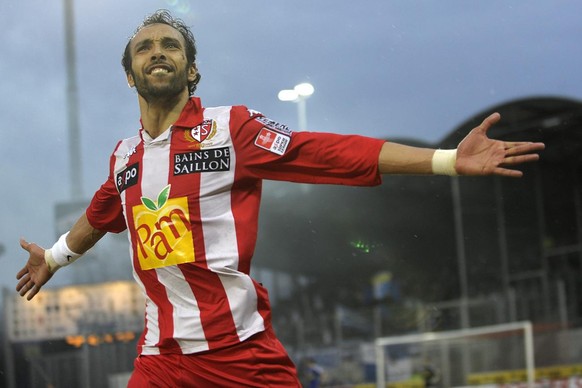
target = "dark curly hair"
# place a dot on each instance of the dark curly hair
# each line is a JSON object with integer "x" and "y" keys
{"x": 163, "y": 16}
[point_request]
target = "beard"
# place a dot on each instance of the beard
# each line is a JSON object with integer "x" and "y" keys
{"x": 172, "y": 87}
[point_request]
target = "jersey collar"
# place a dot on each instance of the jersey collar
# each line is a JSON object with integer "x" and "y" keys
{"x": 191, "y": 115}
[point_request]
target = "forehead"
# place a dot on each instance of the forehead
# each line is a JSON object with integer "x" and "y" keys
{"x": 155, "y": 32}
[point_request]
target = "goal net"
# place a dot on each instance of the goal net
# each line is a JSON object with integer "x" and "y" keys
{"x": 488, "y": 356}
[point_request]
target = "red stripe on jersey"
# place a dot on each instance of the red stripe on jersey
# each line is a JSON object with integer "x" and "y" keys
{"x": 244, "y": 209}
{"x": 263, "y": 304}
{"x": 246, "y": 198}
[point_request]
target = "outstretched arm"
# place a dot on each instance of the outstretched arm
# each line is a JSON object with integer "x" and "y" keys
{"x": 476, "y": 155}
{"x": 37, "y": 271}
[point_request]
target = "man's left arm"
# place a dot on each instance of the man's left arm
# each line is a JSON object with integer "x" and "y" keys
{"x": 476, "y": 155}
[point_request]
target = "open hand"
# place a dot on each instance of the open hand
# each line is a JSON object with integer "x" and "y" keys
{"x": 35, "y": 273}
{"x": 479, "y": 155}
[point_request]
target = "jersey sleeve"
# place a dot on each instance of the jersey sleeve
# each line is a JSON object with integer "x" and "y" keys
{"x": 105, "y": 211}
{"x": 269, "y": 150}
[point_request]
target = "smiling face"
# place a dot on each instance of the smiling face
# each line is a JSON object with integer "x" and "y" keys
{"x": 159, "y": 67}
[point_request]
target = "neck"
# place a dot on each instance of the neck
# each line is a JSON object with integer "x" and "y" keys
{"x": 158, "y": 114}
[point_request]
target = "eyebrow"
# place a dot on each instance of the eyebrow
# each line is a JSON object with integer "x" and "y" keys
{"x": 165, "y": 39}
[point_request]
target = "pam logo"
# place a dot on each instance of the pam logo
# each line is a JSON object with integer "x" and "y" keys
{"x": 163, "y": 231}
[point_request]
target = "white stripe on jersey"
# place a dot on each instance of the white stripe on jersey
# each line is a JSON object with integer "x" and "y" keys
{"x": 220, "y": 238}
{"x": 153, "y": 332}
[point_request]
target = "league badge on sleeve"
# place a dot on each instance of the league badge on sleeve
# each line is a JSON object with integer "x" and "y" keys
{"x": 274, "y": 137}
{"x": 272, "y": 141}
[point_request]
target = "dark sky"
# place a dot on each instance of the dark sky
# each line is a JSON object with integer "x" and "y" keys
{"x": 389, "y": 69}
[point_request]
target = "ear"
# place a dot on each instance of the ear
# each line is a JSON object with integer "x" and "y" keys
{"x": 192, "y": 72}
{"x": 130, "y": 81}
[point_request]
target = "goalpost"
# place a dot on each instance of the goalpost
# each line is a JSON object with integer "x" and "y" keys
{"x": 465, "y": 340}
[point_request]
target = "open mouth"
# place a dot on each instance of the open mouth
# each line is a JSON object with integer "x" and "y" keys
{"x": 159, "y": 69}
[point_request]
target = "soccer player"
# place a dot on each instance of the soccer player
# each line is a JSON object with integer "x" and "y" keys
{"x": 187, "y": 190}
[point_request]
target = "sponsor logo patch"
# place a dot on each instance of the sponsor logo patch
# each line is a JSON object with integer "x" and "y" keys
{"x": 205, "y": 160}
{"x": 272, "y": 141}
{"x": 163, "y": 231}
{"x": 127, "y": 178}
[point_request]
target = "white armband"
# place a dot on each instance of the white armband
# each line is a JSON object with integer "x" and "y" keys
{"x": 60, "y": 255}
{"x": 443, "y": 162}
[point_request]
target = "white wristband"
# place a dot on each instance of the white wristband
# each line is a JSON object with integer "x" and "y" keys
{"x": 443, "y": 162}
{"x": 50, "y": 261}
{"x": 60, "y": 254}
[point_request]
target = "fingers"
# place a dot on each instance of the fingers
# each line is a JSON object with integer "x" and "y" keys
{"x": 510, "y": 160}
{"x": 492, "y": 118}
{"x": 510, "y": 173}
{"x": 29, "y": 290}
{"x": 518, "y": 153}
{"x": 27, "y": 287}
{"x": 24, "y": 280}
{"x": 33, "y": 291}
{"x": 520, "y": 148}
{"x": 489, "y": 121}
{"x": 506, "y": 172}
{"x": 21, "y": 273}
{"x": 25, "y": 244}
{"x": 521, "y": 152}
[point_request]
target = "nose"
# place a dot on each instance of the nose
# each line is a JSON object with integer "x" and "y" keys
{"x": 157, "y": 53}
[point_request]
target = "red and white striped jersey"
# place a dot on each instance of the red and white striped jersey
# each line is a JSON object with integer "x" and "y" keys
{"x": 190, "y": 201}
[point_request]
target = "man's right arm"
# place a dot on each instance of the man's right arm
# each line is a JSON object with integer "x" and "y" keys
{"x": 43, "y": 263}
{"x": 83, "y": 236}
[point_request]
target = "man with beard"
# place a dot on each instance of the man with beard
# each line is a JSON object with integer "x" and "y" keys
{"x": 187, "y": 189}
